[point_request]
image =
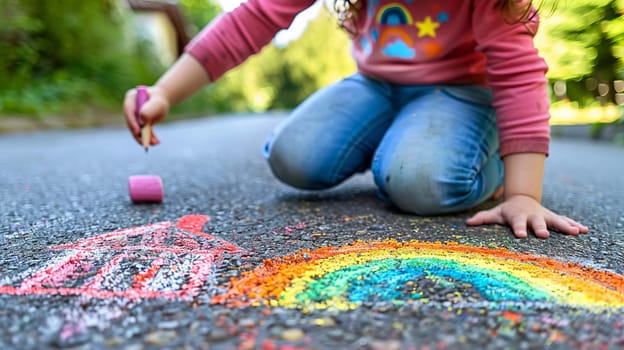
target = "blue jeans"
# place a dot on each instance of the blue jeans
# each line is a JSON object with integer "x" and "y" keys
{"x": 432, "y": 149}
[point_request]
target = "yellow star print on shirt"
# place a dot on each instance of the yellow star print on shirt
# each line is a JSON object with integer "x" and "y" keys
{"x": 427, "y": 27}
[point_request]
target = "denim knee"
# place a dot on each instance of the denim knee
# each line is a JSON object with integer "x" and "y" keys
{"x": 428, "y": 188}
{"x": 295, "y": 168}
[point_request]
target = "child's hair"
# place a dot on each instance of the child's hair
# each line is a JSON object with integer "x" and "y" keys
{"x": 347, "y": 11}
{"x": 516, "y": 11}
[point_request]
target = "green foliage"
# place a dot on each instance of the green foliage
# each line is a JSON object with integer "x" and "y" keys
{"x": 64, "y": 55}
{"x": 282, "y": 77}
{"x": 583, "y": 39}
{"x": 61, "y": 56}
{"x": 199, "y": 12}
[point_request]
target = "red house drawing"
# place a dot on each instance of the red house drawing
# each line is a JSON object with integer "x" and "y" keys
{"x": 171, "y": 260}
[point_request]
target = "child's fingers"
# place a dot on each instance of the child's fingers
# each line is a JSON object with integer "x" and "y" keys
{"x": 129, "y": 105}
{"x": 539, "y": 227}
{"x": 154, "y": 140}
{"x": 485, "y": 217}
{"x": 582, "y": 228}
{"x": 477, "y": 219}
{"x": 151, "y": 112}
{"x": 562, "y": 225}
{"x": 519, "y": 226}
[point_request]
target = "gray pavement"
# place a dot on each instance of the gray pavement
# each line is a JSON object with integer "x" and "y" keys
{"x": 81, "y": 268}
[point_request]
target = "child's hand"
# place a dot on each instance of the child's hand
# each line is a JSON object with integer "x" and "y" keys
{"x": 522, "y": 213}
{"x": 153, "y": 111}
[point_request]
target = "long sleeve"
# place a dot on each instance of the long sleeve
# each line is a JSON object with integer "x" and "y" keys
{"x": 516, "y": 75}
{"x": 234, "y": 36}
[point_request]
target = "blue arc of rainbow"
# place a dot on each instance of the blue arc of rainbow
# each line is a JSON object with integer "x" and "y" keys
{"x": 390, "y": 271}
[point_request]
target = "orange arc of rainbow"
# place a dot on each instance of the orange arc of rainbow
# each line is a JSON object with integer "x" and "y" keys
{"x": 390, "y": 33}
{"x": 267, "y": 283}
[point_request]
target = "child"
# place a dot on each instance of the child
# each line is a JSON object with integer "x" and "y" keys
{"x": 448, "y": 107}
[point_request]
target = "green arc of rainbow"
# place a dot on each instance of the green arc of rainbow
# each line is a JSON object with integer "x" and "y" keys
{"x": 347, "y": 276}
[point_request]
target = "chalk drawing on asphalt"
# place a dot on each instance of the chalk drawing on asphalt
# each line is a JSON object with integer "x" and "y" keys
{"x": 365, "y": 273}
{"x": 178, "y": 260}
{"x": 161, "y": 260}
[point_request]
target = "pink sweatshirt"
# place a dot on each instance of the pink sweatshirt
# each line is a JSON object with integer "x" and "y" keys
{"x": 414, "y": 42}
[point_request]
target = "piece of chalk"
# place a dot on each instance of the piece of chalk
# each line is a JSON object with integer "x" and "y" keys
{"x": 145, "y": 188}
{"x": 146, "y": 129}
{"x": 141, "y": 97}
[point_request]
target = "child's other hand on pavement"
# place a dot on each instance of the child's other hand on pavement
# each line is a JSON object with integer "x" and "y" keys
{"x": 523, "y": 214}
{"x": 153, "y": 111}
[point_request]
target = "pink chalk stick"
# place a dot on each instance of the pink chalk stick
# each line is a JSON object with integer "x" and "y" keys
{"x": 145, "y": 188}
{"x": 141, "y": 97}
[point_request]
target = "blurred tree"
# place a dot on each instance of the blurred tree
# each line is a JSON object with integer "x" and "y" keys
{"x": 59, "y": 54}
{"x": 199, "y": 12}
{"x": 282, "y": 77}
{"x": 583, "y": 42}
{"x": 319, "y": 58}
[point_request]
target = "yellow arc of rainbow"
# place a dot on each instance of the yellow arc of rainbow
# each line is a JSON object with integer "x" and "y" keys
{"x": 283, "y": 281}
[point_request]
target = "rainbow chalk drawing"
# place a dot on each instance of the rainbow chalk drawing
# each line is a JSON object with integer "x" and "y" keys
{"x": 389, "y": 271}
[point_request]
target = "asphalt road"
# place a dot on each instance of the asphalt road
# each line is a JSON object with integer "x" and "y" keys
{"x": 237, "y": 260}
